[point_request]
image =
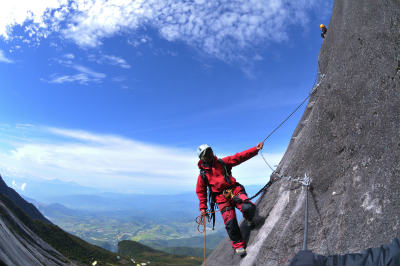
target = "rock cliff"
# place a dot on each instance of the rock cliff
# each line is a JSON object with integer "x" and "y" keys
{"x": 347, "y": 141}
{"x": 19, "y": 246}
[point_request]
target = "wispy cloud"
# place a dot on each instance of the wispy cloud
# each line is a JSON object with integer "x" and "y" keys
{"x": 223, "y": 29}
{"x": 4, "y": 59}
{"x": 110, "y": 161}
{"x": 80, "y": 78}
{"x": 89, "y": 72}
{"x": 84, "y": 76}
{"x": 115, "y": 60}
{"x": 110, "y": 60}
{"x": 69, "y": 56}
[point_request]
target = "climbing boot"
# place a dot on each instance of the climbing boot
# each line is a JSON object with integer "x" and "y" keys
{"x": 241, "y": 252}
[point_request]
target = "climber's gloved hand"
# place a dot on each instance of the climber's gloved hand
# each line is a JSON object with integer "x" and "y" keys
{"x": 260, "y": 145}
{"x": 203, "y": 213}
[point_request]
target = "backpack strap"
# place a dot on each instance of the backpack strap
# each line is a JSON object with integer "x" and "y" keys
{"x": 211, "y": 196}
{"x": 227, "y": 172}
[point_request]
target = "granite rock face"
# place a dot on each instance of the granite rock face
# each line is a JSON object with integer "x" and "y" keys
{"x": 348, "y": 142}
{"x": 19, "y": 246}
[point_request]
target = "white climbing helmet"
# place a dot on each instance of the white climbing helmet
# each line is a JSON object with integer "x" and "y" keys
{"x": 201, "y": 149}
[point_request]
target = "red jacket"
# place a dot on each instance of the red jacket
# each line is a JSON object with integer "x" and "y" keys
{"x": 215, "y": 174}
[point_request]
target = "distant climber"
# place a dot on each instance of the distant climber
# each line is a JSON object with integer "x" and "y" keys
{"x": 323, "y": 30}
{"x": 215, "y": 175}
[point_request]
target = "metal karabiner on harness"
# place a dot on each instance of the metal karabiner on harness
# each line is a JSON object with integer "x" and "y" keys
{"x": 228, "y": 194}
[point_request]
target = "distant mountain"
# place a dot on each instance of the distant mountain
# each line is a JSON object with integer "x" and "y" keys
{"x": 58, "y": 210}
{"x": 179, "y": 205}
{"x": 164, "y": 222}
{"x": 187, "y": 202}
{"x": 107, "y": 218}
{"x": 43, "y": 190}
{"x": 143, "y": 254}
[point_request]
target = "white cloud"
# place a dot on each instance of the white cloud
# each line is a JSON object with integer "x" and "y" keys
{"x": 37, "y": 12}
{"x": 111, "y": 60}
{"x": 220, "y": 28}
{"x": 80, "y": 78}
{"x": 113, "y": 162}
{"x": 115, "y": 60}
{"x": 89, "y": 72}
{"x": 15, "y": 185}
{"x": 4, "y": 59}
{"x": 69, "y": 56}
{"x": 85, "y": 75}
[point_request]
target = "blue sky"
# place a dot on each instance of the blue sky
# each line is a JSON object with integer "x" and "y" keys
{"x": 117, "y": 95}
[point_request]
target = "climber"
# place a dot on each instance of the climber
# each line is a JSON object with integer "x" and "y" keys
{"x": 215, "y": 175}
{"x": 323, "y": 30}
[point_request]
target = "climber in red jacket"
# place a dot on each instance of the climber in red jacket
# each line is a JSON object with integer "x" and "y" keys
{"x": 215, "y": 175}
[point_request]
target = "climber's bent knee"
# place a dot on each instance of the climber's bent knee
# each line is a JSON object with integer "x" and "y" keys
{"x": 248, "y": 210}
{"x": 233, "y": 230}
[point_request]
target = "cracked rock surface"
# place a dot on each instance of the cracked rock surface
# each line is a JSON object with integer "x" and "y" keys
{"x": 19, "y": 246}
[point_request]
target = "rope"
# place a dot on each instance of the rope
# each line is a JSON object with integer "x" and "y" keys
{"x": 262, "y": 190}
{"x": 287, "y": 118}
{"x": 270, "y": 167}
{"x": 315, "y": 87}
{"x": 205, "y": 255}
{"x": 302, "y": 180}
{"x": 201, "y": 221}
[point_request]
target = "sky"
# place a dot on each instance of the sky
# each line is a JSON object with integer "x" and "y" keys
{"x": 117, "y": 95}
